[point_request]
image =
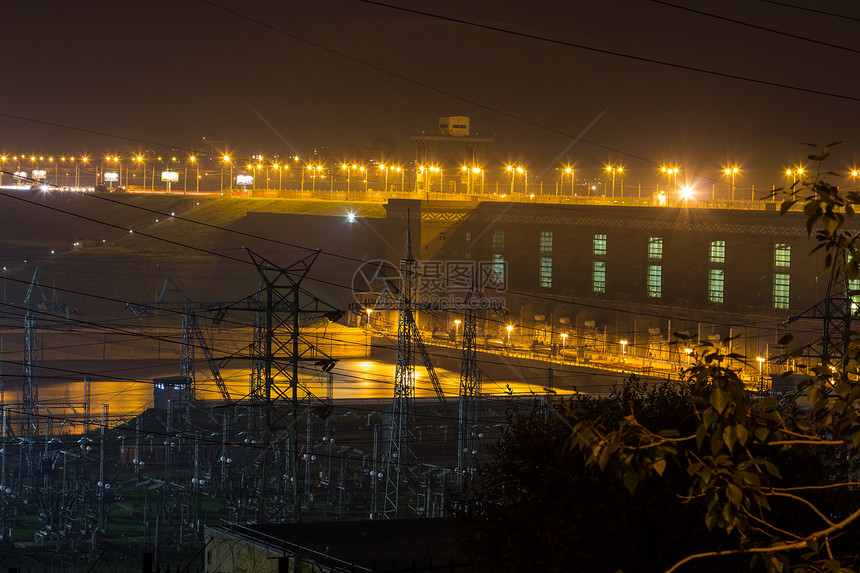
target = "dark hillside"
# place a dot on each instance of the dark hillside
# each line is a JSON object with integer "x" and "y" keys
{"x": 208, "y": 263}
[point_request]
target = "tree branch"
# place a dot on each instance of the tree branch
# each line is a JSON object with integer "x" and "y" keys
{"x": 803, "y": 487}
{"x": 771, "y": 526}
{"x": 807, "y": 503}
{"x": 807, "y": 443}
{"x": 802, "y": 544}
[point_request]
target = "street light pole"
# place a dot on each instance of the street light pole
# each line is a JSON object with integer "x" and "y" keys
{"x": 611, "y": 169}
{"x": 347, "y": 180}
{"x": 563, "y": 343}
{"x": 731, "y": 172}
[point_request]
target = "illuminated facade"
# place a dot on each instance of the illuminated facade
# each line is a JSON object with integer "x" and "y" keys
{"x": 632, "y": 270}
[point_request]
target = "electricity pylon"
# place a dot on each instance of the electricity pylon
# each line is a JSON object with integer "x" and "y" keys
{"x": 192, "y": 334}
{"x": 35, "y": 302}
{"x": 284, "y": 306}
{"x": 835, "y": 311}
{"x": 401, "y": 437}
{"x": 470, "y": 391}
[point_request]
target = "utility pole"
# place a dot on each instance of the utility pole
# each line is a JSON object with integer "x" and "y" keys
{"x": 86, "y": 404}
{"x": 102, "y": 485}
{"x": 3, "y": 485}
{"x": 375, "y": 476}
{"x": 224, "y": 459}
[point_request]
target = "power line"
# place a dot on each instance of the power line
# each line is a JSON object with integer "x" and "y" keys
{"x": 534, "y": 296}
{"x": 551, "y": 41}
{"x": 812, "y": 10}
{"x": 756, "y": 27}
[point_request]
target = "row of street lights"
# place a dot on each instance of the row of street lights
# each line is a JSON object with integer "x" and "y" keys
{"x": 424, "y": 173}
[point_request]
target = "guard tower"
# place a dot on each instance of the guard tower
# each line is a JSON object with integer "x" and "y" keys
{"x": 448, "y": 149}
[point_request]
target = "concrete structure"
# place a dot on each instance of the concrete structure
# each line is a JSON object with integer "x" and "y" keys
{"x": 629, "y": 273}
{"x": 447, "y": 152}
{"x": 384, "y": 545}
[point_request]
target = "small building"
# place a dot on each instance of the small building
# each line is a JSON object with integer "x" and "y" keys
{"x": 169, "y": 388}
{"x": 378, "y": 545}
{"x": 447, "y": 151}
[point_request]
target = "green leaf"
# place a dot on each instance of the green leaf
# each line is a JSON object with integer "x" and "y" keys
{"x": 735, "y": 494}
{"x": 729, "y": 437}
{"x": 727, "y": 514}
{"x": 776, "y": 564}
{"x": 772, "y": 470}
{"x": 700, "y": 436}
{"x": 720, "y": 399}
{"x": 761, "y": 434}
{"x": 742, "y": 434}
{"x": 631, "y": 480}
{"x": 660, "y": 466}
{"x": 716, "y": 442}
{"x": 711, "y": 520}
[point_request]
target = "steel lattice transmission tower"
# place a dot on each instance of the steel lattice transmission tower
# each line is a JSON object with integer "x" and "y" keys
{"x": 836, "y": 313}
{"x": 35, "y": 302}
{"x": 284, "y": 306}
{"x": 470, "y": 391}
{"x": 400, "y": 463}
{"x": 192, "y": 334}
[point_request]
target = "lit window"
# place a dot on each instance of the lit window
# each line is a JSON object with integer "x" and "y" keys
{"x": 598, "y": 276}
{"x": 655, "y": 281}
{"x": 854, "y": 293}
{"x": 600, "y": 245}
{"x": 655, "y": 248}
{"x": 718, "y": 252}
{"x": 498, "y": 269}
{"x": 498, "y": 240}
{"x": 782, "y": 255}
{"x": 546, "y": 272}
{"x": 546, "y": 241}
{"x": 781, "y": 283}
{"x": 716, "y": 285}
{"x": 468, "y": 236}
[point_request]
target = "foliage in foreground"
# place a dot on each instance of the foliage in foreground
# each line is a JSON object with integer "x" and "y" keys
{"x": 703, "y": 477}
{"x": 777, "y": 478}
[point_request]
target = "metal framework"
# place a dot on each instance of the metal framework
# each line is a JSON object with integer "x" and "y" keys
{"x": 283, "y": 304}
{"x": 470, "y": 392}
{"x": 35, "y": 302}
{"x": 192, "y": 334}
{"x": 835, "y": 311}
{"x": 400, "y": 466}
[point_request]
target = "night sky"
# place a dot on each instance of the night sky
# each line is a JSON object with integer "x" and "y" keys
{"x": 172, "y": 72}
